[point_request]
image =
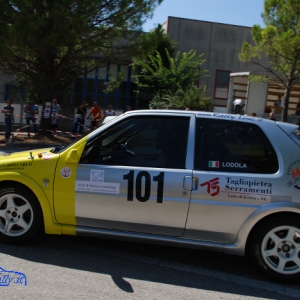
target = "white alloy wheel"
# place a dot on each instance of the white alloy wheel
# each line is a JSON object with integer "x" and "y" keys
{"x": 280, "y": 249}
{"x": 16, "y": 215}
{"x": 21, "y": 218}
{"x": 275, "y": 247}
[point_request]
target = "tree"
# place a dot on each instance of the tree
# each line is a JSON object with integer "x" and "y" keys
{"x": 46, "y": 44}
{"x": 193, "y": 98}
{"x": 157, "y": 41}
{"x": 280, "y": 41}
{"x": 166, "y": 83}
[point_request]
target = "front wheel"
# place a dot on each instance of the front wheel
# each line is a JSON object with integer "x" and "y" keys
{"x": 20, "y": 215}
{"x": 275, "y": 248}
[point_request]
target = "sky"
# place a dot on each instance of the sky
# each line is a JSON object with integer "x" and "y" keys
{"x": 235, "y": 12}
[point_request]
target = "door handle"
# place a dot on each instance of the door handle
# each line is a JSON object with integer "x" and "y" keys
{"x": 190, "y": 183}
{"x": 195, "y": 183}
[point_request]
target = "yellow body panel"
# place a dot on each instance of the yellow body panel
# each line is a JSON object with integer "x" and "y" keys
{"x": 51, "y": 226}
{"x": 64, "y": 188}
{"x": 39, "y": 170}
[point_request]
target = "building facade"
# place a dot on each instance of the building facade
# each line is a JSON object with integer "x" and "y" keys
{"x": 220, "y": 44}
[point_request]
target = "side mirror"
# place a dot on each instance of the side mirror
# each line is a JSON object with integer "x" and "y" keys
{"x": 72, "y": 157}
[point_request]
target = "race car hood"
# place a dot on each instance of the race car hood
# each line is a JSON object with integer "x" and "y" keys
{"x": 38, "y": 153}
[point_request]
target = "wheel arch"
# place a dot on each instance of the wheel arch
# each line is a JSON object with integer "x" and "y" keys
{"x": 265, "y": 220}
{"x": 50, "y": 226}
{"x": 258, "y": 217}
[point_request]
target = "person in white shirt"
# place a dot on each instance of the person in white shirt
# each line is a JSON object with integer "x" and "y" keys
{"x": 237, "y": 106}
{"x": 109, "y": 111}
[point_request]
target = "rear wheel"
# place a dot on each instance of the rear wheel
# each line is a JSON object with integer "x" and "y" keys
{"x": 20, "y": 215}
{"x": 275, "y": 248}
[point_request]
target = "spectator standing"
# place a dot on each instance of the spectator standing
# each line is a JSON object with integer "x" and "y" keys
{"x": 35, "y": 109}
{"x": 271, "y": 117}
{"x": 253, "y": 114}
{"x": 29, "y": 111}
{"x": 8, "y": 111}
{"x": 128, "y": 108}
{"x": 96, "y": 111}
{"x": 109, "y": 111}
{"x": 80, "y": 117}
{"x": 238, "y": 104}
{"x": 55, "y": 112}
{"x": 277, "y": 105}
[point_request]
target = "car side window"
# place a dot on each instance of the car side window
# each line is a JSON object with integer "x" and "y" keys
{"x": 144, "y": 141}
{"x": 231, "y": 146}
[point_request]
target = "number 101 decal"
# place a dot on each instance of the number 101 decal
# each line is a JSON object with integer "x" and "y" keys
{"x": 143, "y": 175}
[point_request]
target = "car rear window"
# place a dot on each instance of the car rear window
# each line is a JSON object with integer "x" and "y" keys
{"x": 230, "y": 146}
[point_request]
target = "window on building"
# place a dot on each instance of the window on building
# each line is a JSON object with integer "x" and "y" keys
{"x": 92, "y": 87}
{"x": 78, "y": 87}
{"x": 14, "y": 93}
{"x": 221, "y": 84}
{"x": 123, "y": 88}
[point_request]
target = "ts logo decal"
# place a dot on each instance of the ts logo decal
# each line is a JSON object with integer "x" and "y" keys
{"x": 213, "y": 187}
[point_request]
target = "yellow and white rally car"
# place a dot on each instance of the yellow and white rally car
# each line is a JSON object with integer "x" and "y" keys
{"x": 223, "y": 182}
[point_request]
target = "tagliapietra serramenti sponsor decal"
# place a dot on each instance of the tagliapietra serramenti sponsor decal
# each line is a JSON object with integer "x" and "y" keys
{"x": 251, "y": 189}
{"x": 248, "y": 189}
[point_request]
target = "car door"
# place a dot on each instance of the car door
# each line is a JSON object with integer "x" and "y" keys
{"x": 132, "y": 177}
{"x": 237, "y": 172}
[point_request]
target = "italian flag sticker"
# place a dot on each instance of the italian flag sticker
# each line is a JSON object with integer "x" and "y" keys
{"x": 213, "y": 164}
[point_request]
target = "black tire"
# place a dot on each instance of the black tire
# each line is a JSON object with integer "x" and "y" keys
{"x": 21, "y": 217}
{"x": 275, "y": 248}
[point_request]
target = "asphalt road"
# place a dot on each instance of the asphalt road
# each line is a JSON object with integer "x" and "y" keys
{"x": 59, "y": 267}
{"x": 65, "y": 267}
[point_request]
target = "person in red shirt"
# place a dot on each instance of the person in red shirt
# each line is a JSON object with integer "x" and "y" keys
{"x": 96, "y": 111}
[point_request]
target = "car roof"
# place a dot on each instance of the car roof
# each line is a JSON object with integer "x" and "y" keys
{"x": 287, "y": 127}
{"x": 199, "y": 114}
